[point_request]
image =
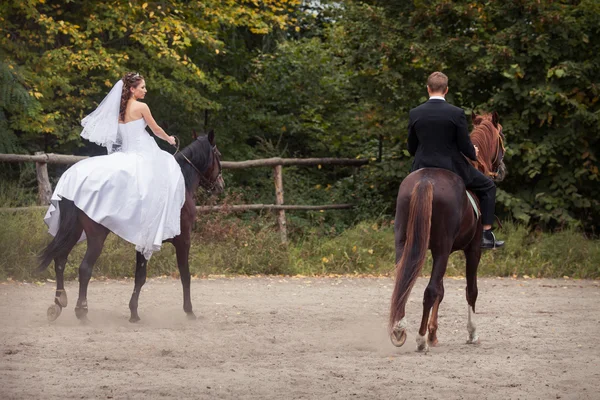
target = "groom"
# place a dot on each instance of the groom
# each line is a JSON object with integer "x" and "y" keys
{"x": 438, "y": 136}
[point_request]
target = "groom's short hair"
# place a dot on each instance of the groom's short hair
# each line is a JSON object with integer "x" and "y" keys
{"x": 437, "y": 82}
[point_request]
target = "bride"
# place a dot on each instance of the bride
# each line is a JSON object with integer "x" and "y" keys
{"x": 137, "y": 190}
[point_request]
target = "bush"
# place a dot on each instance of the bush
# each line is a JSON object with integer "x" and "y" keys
{"x": 228, "y": 244}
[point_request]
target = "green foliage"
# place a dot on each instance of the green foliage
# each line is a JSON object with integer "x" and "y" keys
{"x": 541, "y": 254}
{"x": 297, "y": 102}
{"x": 70, "y": 54}
{"x": 307, "y": 79}
{"x": 535, "y": 63}
{"x": 366, "y": 248}
{"x": 224, "y": 244}
{"x": 18, "y": 192}
{"x": 14, "y": 101}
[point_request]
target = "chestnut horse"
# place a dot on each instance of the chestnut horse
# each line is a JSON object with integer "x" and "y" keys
{"x": 433, "y": 212}
{"x": 200, "y": 164}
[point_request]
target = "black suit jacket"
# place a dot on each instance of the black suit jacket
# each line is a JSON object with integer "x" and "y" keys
{"x": 437, "y": 135}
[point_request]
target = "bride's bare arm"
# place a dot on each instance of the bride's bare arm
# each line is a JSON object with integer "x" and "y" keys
{"x": 158, "y": 131}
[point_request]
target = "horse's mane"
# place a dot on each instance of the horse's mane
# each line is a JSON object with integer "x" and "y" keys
{"x": 198, "y": 152}
{"x": 485, "y": 137}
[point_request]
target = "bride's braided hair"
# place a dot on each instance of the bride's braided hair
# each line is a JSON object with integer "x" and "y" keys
{"x": 130, "y": 80}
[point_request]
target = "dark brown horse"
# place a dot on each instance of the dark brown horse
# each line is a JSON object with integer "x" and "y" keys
{"x": 200, "y": 164}
{"x": 433, "y": 212}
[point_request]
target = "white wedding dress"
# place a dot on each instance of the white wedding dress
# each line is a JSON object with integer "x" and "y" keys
{"x": 136, "y": 192}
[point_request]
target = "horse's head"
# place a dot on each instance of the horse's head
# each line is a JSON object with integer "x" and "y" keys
{"x": 205, "y": 161}
{"x": 487, "y": 135}
{"x": 213, "y": 177}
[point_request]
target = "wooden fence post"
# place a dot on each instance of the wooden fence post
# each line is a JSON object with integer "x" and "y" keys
{"x": 277, "y": 174}
{"x": 44, "y": 187}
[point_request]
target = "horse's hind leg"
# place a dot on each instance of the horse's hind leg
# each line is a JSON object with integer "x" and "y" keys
{"x": 472, "y": 255}
{"x": 140, "y": 279}
{"x": 431, "y": 296}
{"x": 182, "y": 250}
{"x": 433, "y": 321}
{"x": 60, "y": 297}
{"x": 96, "y": 235}
{"x": 398, "y": 334}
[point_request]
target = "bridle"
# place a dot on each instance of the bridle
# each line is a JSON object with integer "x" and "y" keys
{"x": 205, "y": 183}
{"x": 499, "y": 149}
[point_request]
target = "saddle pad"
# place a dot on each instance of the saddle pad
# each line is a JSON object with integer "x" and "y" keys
{"x": 474, "y": 204}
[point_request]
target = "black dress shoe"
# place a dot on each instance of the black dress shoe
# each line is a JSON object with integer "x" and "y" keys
{"x": 488, "y": 241}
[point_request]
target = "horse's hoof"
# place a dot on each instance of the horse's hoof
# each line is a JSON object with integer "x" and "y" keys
{"x": 473, "y": 340}
{"x": 61, "y": 300}
{"x": 53, "y": 312}
{"x": 81, "y": 313}
{"x": 134, "y": 319}
{"x": 398, "y": 337}
{"x": 191, "y": 316}
{"x": 422, "y": 345}
{"x": 433, "y": 343}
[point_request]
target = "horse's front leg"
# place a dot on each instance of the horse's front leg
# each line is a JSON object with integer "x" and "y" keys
{"x": 182, "y": 249}
{"x": 140, "y": 278}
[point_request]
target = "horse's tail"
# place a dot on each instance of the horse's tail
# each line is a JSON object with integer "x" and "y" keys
{"x": 66, "y": 237}
{"x": 415, "y": 248}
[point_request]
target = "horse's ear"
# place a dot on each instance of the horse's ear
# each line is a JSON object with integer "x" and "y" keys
{"x": 476, "y": 119}
{"x": 194, "y": 134}
{"x": 211, "y": 137}
{"x": 495, "y": 119}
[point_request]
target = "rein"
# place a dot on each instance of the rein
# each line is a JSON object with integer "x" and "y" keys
{"x": 205, "y": 183}
{"x": 497, "y": 158}
{"x": 500, "y": 146}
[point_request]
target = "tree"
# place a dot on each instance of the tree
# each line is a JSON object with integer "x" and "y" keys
{"x": 14, "y": 102}
{"x": 69, "y": 55}
{"x": 535, "y": 63}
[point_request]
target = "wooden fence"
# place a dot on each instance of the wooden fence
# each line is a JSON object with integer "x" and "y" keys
{"x": 45, "y": 189}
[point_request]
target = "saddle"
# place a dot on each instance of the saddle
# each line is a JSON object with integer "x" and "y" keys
{"x": 474, "y": 203}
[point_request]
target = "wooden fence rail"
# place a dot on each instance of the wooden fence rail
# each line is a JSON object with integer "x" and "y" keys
{"x": 51, "y": 158}
{"x": 226, "y": 208}
{"x": 45, "y": 189}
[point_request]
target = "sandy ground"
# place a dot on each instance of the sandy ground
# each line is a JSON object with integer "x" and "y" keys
{"x": 293, "y": 338}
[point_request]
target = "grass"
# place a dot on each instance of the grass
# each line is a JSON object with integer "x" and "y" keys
{"x": 225, "y": 244}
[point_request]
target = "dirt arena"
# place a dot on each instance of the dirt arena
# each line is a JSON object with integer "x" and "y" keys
{"x": 300, "y": 338}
